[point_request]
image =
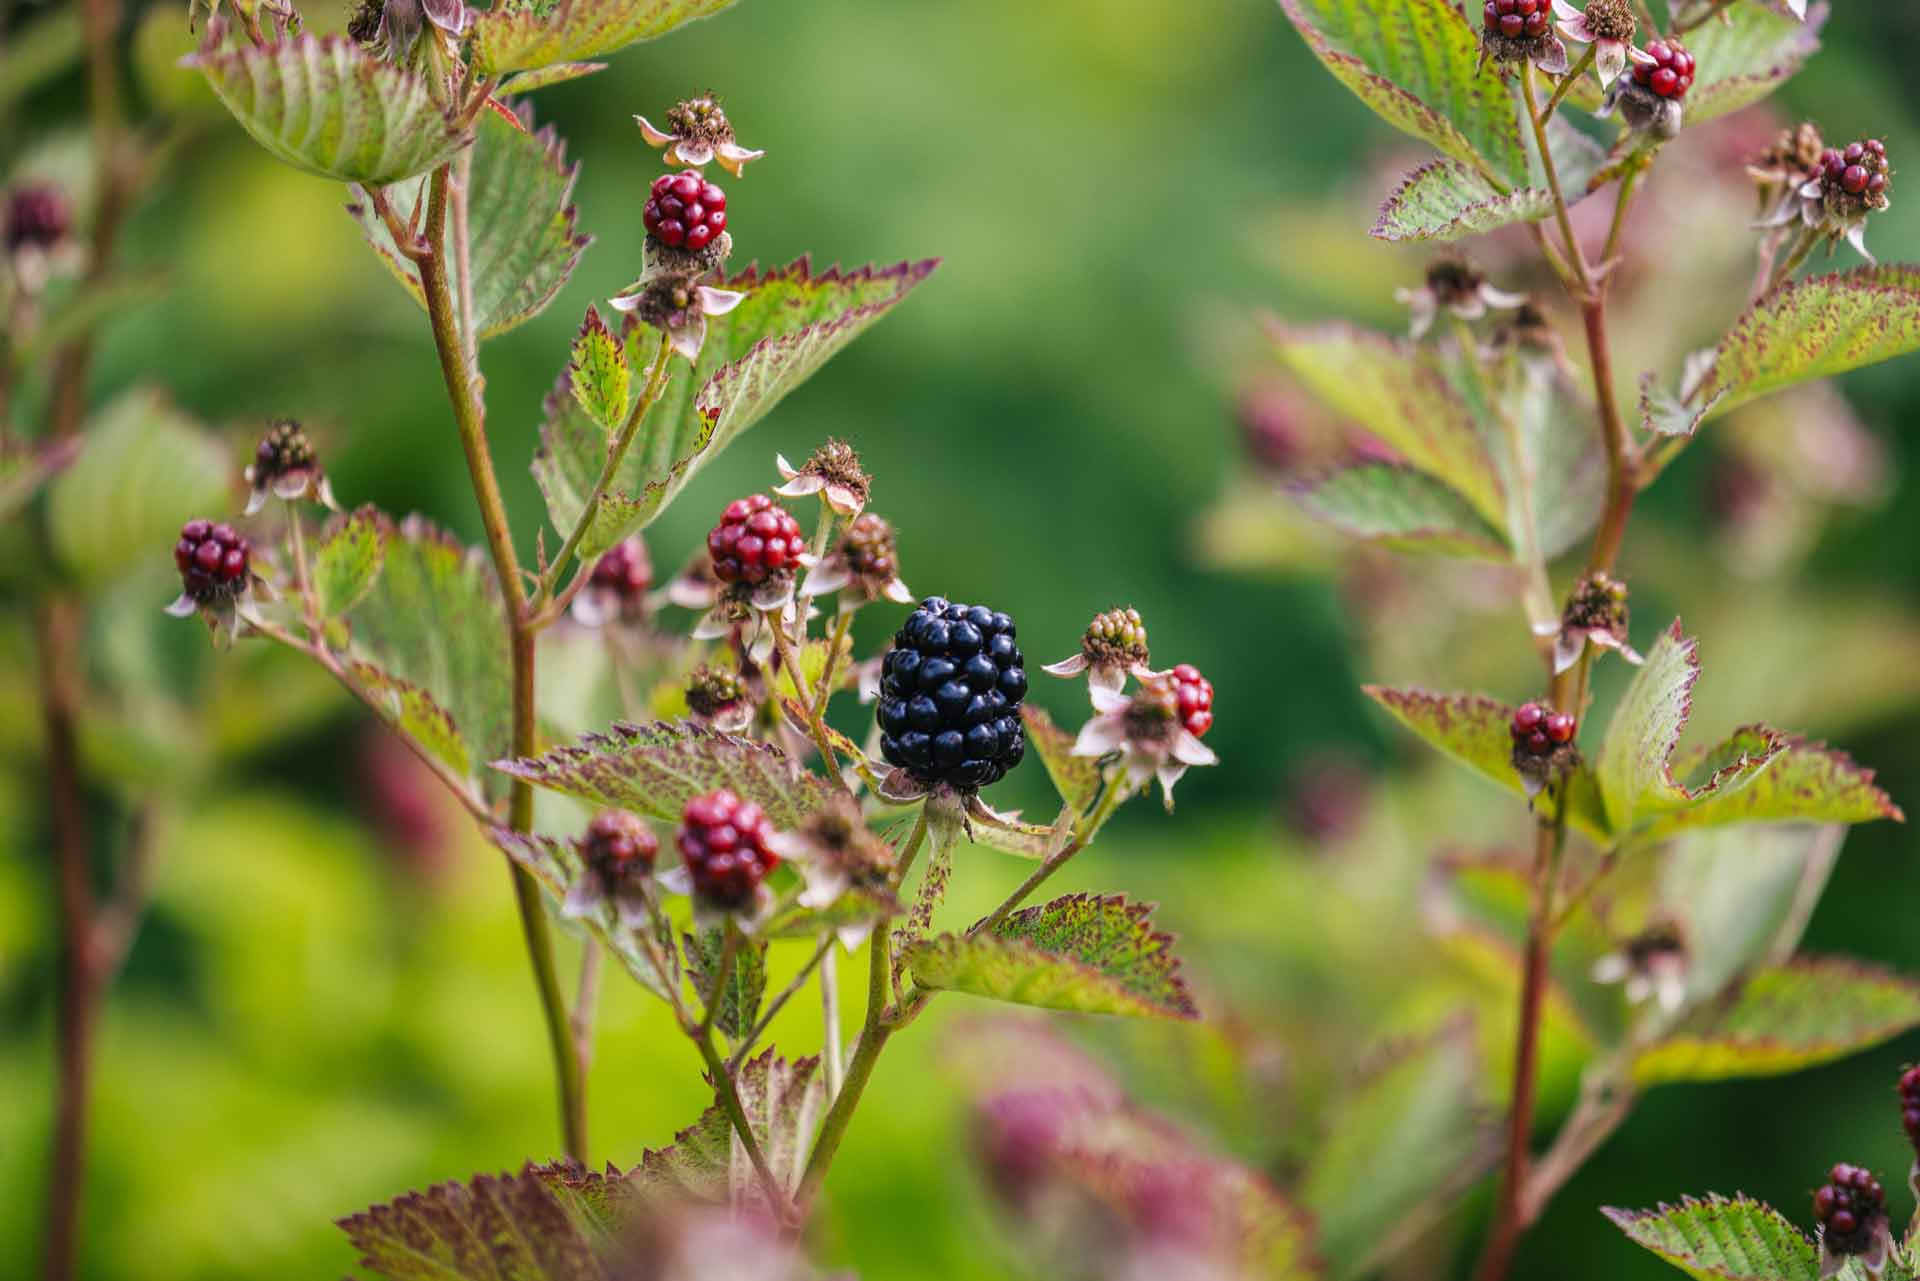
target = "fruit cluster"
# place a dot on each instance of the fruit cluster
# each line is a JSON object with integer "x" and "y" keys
{"x": 684, "y": 210}
{"x": 1538, "y": 730}
{"x": 1910, "y": 1104}
{"x": 1670, "y": 74}
{"x": 1193, "y": 695}
{"x": 754, "y": 539}
{"x": 1849, "y": 1207}
{"x": 37, "y": 216}
{"x": 213, "y": 561}
{"x": 870, "y": 548}
{"x": 950, "y": 695}
{"x": 726, "y": 843}
{"x": 624, "y": 573}
{"x": 1517, "y": 19}
{"x": 1860, "y": 170}
{"x": 617, "y": 846}
{"x": 285, "y": 449}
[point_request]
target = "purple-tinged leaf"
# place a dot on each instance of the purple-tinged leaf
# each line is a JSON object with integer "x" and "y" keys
{"x": 1746, "y": 53}
{"x": 1721, "y": 1240}
{"x": 325, "y": 105}
{"x": 557, "y": 73}
{"x": 739, "y": 1002}
{"x": 411, "y": 712}
{"x": 1094, "y": 954}
{"x": 598, "y": 372}
{"x": 1400, "y": 508}
{"x": 522, "y": 35}
{"x": 491, "y": 1228}
{"x": 783, "y": 1102}
{"x": 347, "y": 559}
{"x": 1806, "y": 783}
{"x": 1783, "y": 1019}
{"x": 1448, "y": 200}
{"x": 656, "y": 769}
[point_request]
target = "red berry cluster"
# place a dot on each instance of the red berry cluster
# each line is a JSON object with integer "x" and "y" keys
{"x": 213, "y": 561}
{"x": 754, "y": 539}
{"x": 625, "y": 572}
{"x": 1516, "y": 18}
{"x": 618, "y": 845}
{"x": 1670, "y": 74}
{"x": 1537, "y": 729}
{"x": 1910, "y": 1104}
{"x": 1860, "y": 170}
{"x": 36, "y": 216}
{"x": 724, "y": 841}
{"x": 685, "y": 210}
{"x": 1193, "y": 695}
{"x": 1849, "y": 1207}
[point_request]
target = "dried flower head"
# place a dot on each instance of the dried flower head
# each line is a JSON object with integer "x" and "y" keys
{"x": 616, "y": 587}
{"x": 1113, "y": 647}
{"x": 1846, "y": 187}
{"x": 1146, "y": 732}
{"x": 677, "y": 304}
{"x": 1455, "y": 285}
{"x": 1607, "y": 25}
{"x": 833, "y": 471}
{"x": 616, "y": 852}
{"x": 718, "y": 699}
{"x": 285, "y": 466}
{"x": 1652, "y": 964}
{"x": 1786, "y": 164}
{"x": 698, "y": 133}
{"x": 1515, "y": 31}
{"x": 1596, "y": 612}
{"x": 836, "y": 853}
{"x": 1851, "y": 1209}
{"x": 864, "y": 567}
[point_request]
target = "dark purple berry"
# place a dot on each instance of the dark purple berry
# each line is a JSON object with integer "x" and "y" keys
{"x": 754, "y": 539}
{"x": 950, "y": 694}
{"x": 1850, "y": 1209}
{"x": 213, "y": 561}
{"x": 618, "y": 846}
{"x": 625, "y": 573}
{"x": 1670, "y": 74}
{"x": 725, "y": 843}
{"x": 38, "y": 217}
{"x": 685, "y": 210}
{"x": 1538, "y": 729}
{"x": 1910, "y": 1104}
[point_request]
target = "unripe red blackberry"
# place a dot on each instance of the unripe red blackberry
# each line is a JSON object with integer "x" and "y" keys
{"x": 1193, "y": 694}
{"x": 725, "y": 842}
{"x": 213, "y": 561}
{"x": 685, "y": 211}
{"x": 38, "y": 217}
{"x": 1851, "y": 1209}
{"x": 1910, "y": 1104}
{"x": 625, "y": 572}
{"x": 1670, "y": 74}
{"x": 1857, "y": 175}
{"x": 1517, "y": 19}
{"x": 950, "y": 694}
{"x": 754, "y": 539}
{"x": 618, "y": 847}
{"x": 1538, "y": 730}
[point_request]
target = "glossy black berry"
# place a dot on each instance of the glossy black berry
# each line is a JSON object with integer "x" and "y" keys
{"x": 618, "y": 846}
{"x": 684, "y": 210}
{"x": 1850, "y": 1208}
{"x": 950, "y": 694}
{"x": 37, "y": 217}
{"x": 1537, "y": 729}
{"x": 213, "y": 561}
{"x": 754, "y": 538}
{"x": 725, "y": 842}
{"x": 1670, "y": 74}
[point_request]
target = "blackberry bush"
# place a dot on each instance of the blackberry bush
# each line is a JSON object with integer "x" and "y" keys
{"x": 950, "y": 695}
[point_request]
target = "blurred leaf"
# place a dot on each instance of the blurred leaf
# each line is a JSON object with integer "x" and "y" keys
{"x": 325, "y": 105}
{"x": 1447, "y": 200}
{"x": 789, "y": 324}
{"x": 144, "y": 471}
{"x": 812, "y": 658}
{"x": 1721, "y": 1240}
{"x": 1401, "y": 508}
{"x": 1785, "y": 1018}
{"x": 85, "y": 309}
{"x": 490, "y": 1228}
{"x": 656, "y": 769}
{"x": 739, "y": 1000}
{"x": 413, "y": 713}
{"x": 38, "y": 51}
{"x": 522, "y": 227}
{"x": 1745, "y": 54}
{"x": 856, "y": 907}
{"x": 1417, "y": 63}
{"x": 1806, "y": 782}
{"x": 1393, "y": 389}
{"x": 24, "y": 471}
{"x": 783, "y": 1101}
{"x": 556, "y": 73}
{"x": 1095, "y": 954}
{"x": 555, "y": 864}
{"x": 1490, "y": 897}
{"x": 598, "y": 372}
{"x": 1254, "y": 528}
{"x": 1410, "y": 1131}
{"x": 431, "y": 624}
{"x": 1745, "y": 896}
{"x": 1806, "y": 329}
{"x": 526, "y": 34}
{"x": 1561, "y": 474}
{"x": 346, "y": 560}
{"x": 1076, "y": 778}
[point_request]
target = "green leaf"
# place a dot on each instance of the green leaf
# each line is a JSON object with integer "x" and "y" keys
{"x": 1417, "y": 63}
{"x": 739, "y": 1000}
{"x": 1395, "y": 389}
{"x": 490, "y": 1228}
{"x": 555, "y": 865}
{"x": 656, "y": 769}
{"x": 1447, "y": 200}
{"x": 598, "y": 372}
{"x": 1745, "y": 895}
{"x": 1746, "y": 53}
{"x": 1098, "y": 955}
{"x": 1401, "y": 508}
{"x": 431, "y": 625}
{"x": 1410, "y": 1132}
{"x": 1076, "y": 778}
{"x": 525, "y": 34}
{"x": 347, "y": 559}
{"x": 788, "y": 325}
{"x": 523, "y": 237}
{"x": 145, "y": 470}
{"x": 1806, "y": 783}
{"x": 1806, "y": 329}
{"x": 1782, "y": 1019}
{"x": 1561, "y": 473}
{"x": 1721, "y": 1240}
{"x": 857, "y": 908}
{"x": 24, "y": 471}
{"x": 325, "y": 105}
{"x": 557, "y": 73}
{"x": 783, "y": 1102}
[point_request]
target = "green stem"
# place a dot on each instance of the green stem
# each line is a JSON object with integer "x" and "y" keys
{"x": 1802, "y": 250}
{"x": 1705, "y": 16}
{"x": 816, "y": 723}
{"x": 1567, "y": 82}
{"x": 1561, "y": 213}
{"x": 729, "y": 941}
{"x": 873, "y": 1039}
{"x": 729, "y": 1097}
{"x": 778, "y": 1003}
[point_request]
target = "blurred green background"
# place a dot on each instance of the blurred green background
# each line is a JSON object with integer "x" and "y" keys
{"x": 329, "y": 1003}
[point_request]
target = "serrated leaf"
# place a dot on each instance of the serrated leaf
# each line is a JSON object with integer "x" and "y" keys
{"x": 1746, "y": 53}
{"x": 1411, "y": 1130}
{"x": 434, "y": 621}
{"x": 525, "y": 34}
{"x": 1395, "y": 389}
{"x": 1807, "y": 782}
{"x": 1785, "y": 1018}
{"x": 739, "y": 1000}
{"x": 706, "y": 1162}
{"x": 789, "y": 324}
{"x": 1401, "y": 508}
{"x": 656, "y": 769}
{"x": 557, "y": 73}
{"x": 411, "y": 711}
{"x": 1804, "y": 330}
{"x": 555, "y": 865}
{"x": 145, "y": 470}
{"x": 522, "y": 226}
{"x": 490, "y": 1228}
{"x": 1448, "y": 200}
{"x": 1098, "y": 955}
{"x": 1744, "y": 895}
{"x": 1721, "y": 1240}
{"x": 598, "y": 372}
{"x": 1076, "y": 778}
{"x": 1417, "y": 63}
{"x": 325, "y": 105}
{"x": 347, "y": 559}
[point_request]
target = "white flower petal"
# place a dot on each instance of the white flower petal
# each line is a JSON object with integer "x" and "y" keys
{"x": 800, "y": 487}
{"x": 625, "y": 302}
{"x": 1566, "y": 650}
{"x": 786, "y": 469}
{"x": 843, "y": 500}
{"x": 183, "y": 607}
{"x": 689, "y": 338}
{"x": 675, "y": 879}
{"x": 831, "y": 575}
{"x": 1554, "y": 60}
{"x": 654, "y": 137}
{"x": 1857, "y": 237}
{"x": 1611, "y": 968}
{"x": 1610, "y": 59}
{"x": 1067, "y": 667}
{"x": 714, "y": 624}
{"x": 584, "y": 898}
{"x": 1169, "y": 773}
{"x": 718, "y": 302}
{"x": 898, "y": 592}
{"x": 293, "y": 485}
{"x": 630, "y": 907}
{"x": 689, "y": 151}
{"x": 1189, "y": 750}
{"x": 1107, "y": 702}
{"x": 1099, "y": 736}
{"x": 734, "y": 157}
{"x": 324, "y": 491}
{"x": 1109, "y": 676}
{"x": 255, "y": 501}
{"x": 774, "y": 594}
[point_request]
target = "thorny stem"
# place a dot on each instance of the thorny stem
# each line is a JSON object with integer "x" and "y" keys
{"x": 585, "y": 1001}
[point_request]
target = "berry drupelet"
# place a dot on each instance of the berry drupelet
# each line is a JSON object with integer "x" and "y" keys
{"x": 624, "y": 573}
{"x": 1670, "y": 74}
{"x": 950, "y": 695}
{"x": 1538, "y": 730}
{"x": 754, "y": 540}
{"x": 213, "y": 560}
{"x": 1851, "y": 1208}
{"x": 684, "y": 210}
{"x": 1517, "y": 19}
{"x": 727, "y": 845}
{"x": 618, "y": 846}
{"x": 1193, "y": 695}
{"x": 37, "y": 217}
{"x": 1856, "y": 178}
{"x": 1910, "y": 1104}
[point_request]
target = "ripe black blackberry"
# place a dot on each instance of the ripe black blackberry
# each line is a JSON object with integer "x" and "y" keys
{"x": 1851, "y": 1208}
{"x": 726, "y": 843}
{"x": 213, "y": 560}
{"x": 618, "y": 847}
{"x": 950, "y": 695}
